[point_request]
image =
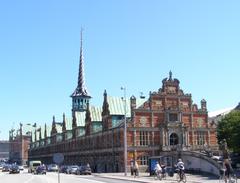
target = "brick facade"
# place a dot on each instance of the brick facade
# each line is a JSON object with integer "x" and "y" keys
{"x": 18, "y": 148}
{"x": 167, "y": 121}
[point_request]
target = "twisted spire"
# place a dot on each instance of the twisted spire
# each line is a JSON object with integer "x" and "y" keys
{"x": 81, "y": 88}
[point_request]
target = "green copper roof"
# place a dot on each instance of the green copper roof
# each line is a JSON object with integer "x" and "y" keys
{"x": 59, "y": 128}
{"x": 80, "y": 117}
{"x": 49, "y": 128}
{"x": 96, "y": 113}
{"x": 116, "y": 105}
{"x": 68, "y": 123}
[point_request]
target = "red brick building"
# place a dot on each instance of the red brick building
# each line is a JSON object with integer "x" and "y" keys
{"x": 19, "y": 143}
{"x": 166, "y": 122}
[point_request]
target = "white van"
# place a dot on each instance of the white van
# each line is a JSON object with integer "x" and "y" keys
{"x": 33, "y": 165}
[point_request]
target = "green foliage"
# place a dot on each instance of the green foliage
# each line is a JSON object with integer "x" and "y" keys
{"x": 229, "y": 129}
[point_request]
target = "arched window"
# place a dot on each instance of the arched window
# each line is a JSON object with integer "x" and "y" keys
{"x": 173, "y": 139}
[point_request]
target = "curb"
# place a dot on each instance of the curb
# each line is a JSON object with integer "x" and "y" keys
{"x": 119, "y": 178}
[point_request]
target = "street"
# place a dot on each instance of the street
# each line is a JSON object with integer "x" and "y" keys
{"x": 52, "y": 177}
{"x": 25, "y": 177}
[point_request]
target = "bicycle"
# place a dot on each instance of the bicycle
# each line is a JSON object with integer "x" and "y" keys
{"x": 164, "y": 172}
{"x": 158, "y": 175}
{"x": 182, "y": 178}
{"x": 224, "y": 179}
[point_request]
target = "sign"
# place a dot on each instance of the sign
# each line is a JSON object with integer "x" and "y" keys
{"x": 58, "y": 158}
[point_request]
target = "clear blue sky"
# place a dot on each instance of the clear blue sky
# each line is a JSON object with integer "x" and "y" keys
{"x": 132, "y": 43}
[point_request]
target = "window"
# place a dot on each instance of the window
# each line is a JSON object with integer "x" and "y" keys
{"x": 144, "y": 138}
{"x": 173, "y": 117}
{"x": 97, "y": 127}
{"x": 173, "y": 139}
{"x": 116, "y": 120}
{"x": 201, "y": 138}
{"x": 143, "y": 160}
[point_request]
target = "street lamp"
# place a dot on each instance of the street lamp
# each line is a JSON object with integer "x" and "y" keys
{"x": 125, "y": 130}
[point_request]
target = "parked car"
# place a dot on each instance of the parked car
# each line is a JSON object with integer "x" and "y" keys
{"x": 14, "y": 169}
{"x": 52, "y": 168}
{"x": 68, "y": 170}
{"x": 41, "y": 170}
{"x": 6, "y": 168}
{"x": 63, "y": 169}
{"x": 84, "y": 170}
{"x": 73, "y": 169}
{"x": 21, "y": 168}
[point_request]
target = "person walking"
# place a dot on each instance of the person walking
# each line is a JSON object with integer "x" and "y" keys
{"x": 136, "y": 169}
{"x": 132, "y": 167}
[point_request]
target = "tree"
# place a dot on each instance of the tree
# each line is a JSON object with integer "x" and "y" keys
{"x": 229, "y": 129}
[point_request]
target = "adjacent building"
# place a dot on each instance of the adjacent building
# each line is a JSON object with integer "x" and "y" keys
{"x": 217, "y": 116}
{"x": 19, "y": 143}
{"x": 4, "y": 150}
{"x": 165, "y": 122}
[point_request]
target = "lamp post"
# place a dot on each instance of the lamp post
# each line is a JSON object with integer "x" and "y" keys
{"x": 125, "y": 130}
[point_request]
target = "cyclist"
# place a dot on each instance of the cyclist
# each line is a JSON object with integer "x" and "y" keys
{"x": 158, "y": 169}
{"x": 180, "y": 166}
{"x": 163, "y": 166}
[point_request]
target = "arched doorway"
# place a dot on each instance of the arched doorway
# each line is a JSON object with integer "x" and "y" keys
{"x": 173, "y": 139}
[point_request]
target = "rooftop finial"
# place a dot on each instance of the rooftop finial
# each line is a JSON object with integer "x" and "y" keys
{"x": 170, "y": 75}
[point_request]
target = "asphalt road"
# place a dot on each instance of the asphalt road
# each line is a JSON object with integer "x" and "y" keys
{"x": 25, "y": 177}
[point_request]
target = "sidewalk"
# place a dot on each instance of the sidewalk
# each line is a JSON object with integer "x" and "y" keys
{"x": 144, "y": 177}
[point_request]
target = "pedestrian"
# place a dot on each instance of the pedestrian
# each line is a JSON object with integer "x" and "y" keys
{"x": 136, "y": 169}
{"x": 132, "y": 167}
